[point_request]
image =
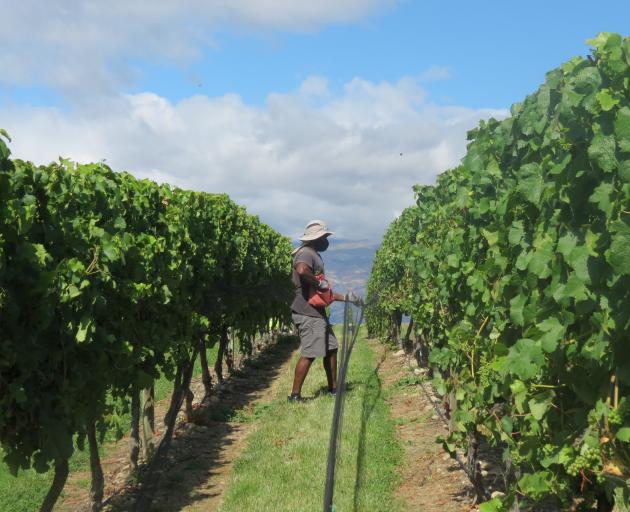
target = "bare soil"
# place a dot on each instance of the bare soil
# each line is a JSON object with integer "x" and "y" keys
{"x": 430, "y": 479}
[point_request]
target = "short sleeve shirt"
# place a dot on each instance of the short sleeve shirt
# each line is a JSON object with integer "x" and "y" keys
{"x": 300, "y": 304}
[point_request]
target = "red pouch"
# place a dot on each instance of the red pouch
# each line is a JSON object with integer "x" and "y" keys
{"x": 318, "y": 298}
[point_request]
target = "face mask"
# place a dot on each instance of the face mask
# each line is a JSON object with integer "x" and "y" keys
{"x": 322, "y": 245}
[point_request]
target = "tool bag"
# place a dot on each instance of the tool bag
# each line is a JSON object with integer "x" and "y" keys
{"x": 320, "y": 298}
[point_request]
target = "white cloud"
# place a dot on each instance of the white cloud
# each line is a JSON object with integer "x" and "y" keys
{"x": 87, "y": 45}
{"x": 349, "y": 158}
{"x": 435, "y": 73}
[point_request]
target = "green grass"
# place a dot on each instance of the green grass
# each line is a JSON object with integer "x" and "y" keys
{"x": 25, "y": 492}
{"x": 283, "y": 467}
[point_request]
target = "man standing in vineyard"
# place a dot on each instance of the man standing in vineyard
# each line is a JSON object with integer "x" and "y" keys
{"x": 312, "y": 291}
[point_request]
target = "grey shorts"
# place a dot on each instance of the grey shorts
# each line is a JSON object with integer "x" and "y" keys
{"x": 316, "y": 335}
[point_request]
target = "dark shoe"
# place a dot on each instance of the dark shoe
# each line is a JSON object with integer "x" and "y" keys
{"x": 295, "y": 398}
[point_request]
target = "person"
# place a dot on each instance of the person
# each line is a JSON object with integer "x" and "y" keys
{"x": 317, "y": 338}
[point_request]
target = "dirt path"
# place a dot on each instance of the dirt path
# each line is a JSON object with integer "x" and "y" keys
{"x": 430, "y": 479}
{"x": 202, "y": 454}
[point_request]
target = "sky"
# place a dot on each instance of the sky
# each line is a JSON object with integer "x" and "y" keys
{"x": 331, "y": 109}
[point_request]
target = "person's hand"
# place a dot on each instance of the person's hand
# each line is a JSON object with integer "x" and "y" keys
{"x": 354, "y": 299}
{"x": 323, "y": 285}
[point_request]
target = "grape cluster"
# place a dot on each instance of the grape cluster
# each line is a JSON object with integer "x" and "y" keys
{"x": 614, "y": 418}
{"x": 589, "y": 459}
{"x": 548, "y": 450}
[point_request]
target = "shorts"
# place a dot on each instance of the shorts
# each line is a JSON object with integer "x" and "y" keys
{"x": 316, "y": 335}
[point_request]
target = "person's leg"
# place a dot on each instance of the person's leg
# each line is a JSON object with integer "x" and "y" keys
{"x": 330, "y": 367}
{"x": 301, "y": 369}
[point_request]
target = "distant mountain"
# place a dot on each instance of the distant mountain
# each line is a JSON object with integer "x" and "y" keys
{"x": 348, "y": 264}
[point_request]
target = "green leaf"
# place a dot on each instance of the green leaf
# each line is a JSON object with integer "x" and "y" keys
{"x": 109, "y": 251}
{"x": 575, "y": 288}
{"x": 84, "y": 327}
{"x": 618, "y": 255}
{"x": 566, "y": 244}
{"x": 577, "y": 259}
{"x": 605, "y": 40}
{"x": 595, "y": 347}
{"x": 73, "y": 291}
{"x": 541, "y": 260}
{"x": 588, "y": 80}
{"x": 491, "y": 236}
{"x": 452, "y": 260}
{"x": 525, "y": 359}
{"x": 553, "y": 333}
{"x": 622, "y": 128}
{"x": 494, "y": 505}
{"x": 601, "y": 196}
{"x": 530, "y": 183}
{"x": 624, "y": 171}
{"x": 623, "y": 434}
{"x": 519, "y": 393}
{"x": 516, "y": 232}
{"x": 516, "y": 309}
{"x": 606, "y": 101}
{"x": 539, "y": 404}
{"x": 602, "y": 152}
{"x": 42, "y": 255}
{"x": 561, "y": 166}
{"x": 535, "y": 485}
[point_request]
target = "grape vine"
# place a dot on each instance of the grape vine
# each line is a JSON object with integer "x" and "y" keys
{"x": 107, "y": 282}
{"x": 517, "y": 279}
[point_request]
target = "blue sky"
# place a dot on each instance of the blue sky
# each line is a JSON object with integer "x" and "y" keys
{"x": 496, "y": 51}
{"x": 331, "y": 109}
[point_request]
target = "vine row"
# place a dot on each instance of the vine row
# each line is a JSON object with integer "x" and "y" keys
{"x": 515, "y": 271}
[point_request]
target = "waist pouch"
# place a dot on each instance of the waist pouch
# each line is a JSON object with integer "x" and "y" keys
{"x": 318, "y": 298}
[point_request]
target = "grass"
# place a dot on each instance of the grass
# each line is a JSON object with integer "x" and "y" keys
{"x": 283, "y": 467}
{"x": 26, "y": 492}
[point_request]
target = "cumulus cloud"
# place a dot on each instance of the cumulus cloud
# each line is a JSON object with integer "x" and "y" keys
{"x": 86, "y": 45}
{"x": 350, "y": 158}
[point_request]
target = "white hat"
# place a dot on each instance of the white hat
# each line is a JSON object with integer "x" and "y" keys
{"x": 315, "y": 229}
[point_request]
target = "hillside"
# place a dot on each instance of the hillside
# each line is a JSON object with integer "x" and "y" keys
{"x": 348, "y": 264}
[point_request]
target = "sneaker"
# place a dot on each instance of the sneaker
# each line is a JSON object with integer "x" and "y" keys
{"x": 332, "y": 392}
{"x": 295, "y": 398}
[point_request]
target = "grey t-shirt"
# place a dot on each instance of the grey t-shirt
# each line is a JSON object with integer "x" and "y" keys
{"x": 300, "y": 303}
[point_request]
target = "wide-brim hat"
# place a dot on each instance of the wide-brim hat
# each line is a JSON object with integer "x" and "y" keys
{"x": 315, "y": 229}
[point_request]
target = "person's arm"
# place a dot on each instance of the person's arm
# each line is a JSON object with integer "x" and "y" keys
{"x": 307, "y": 276}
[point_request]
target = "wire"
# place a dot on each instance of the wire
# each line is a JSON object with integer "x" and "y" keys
{"x": 351, "y": 325}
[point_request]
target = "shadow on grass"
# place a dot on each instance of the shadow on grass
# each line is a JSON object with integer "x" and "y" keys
{"x": 373, "y": 391}
{"x": 201, "y": 449}
{"x": 324, "y": 390}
